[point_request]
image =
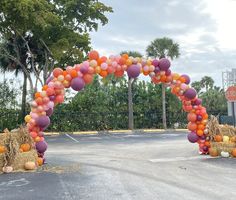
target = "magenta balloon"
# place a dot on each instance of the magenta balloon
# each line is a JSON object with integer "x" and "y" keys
{"x": 77, "y": 84}
{"x": 190, "y": 93}
{"x": 193, "y": 137}
{"x": 187, "y": 78}
{"x": 43, "y": 121}
{"x": 49, "y": 112}
{"x": 52, "y": 98}
{"x": 133, "y": 71}
{"x": 41, "y": 146}
{"x": 155, "y": 62}
{"x": 198, "y": 101}
{"x": 164, "y": 64}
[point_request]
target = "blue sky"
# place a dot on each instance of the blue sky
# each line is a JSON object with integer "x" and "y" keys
{"x": 204, "y": 29}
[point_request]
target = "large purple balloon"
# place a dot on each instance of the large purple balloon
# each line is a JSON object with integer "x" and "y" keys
{"x": 190, "y": 93}
{"x": 193, "y": 137}
{"x": 77, "y": 84}
{"x": 43, "y": 121}
{"x": 187, "y": 78}
{"x": 164, "y": 64}
{"x": 41, "y": 146}
{"x": 133, "y": 71}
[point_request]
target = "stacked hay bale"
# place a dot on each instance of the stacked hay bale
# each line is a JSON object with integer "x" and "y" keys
{"x": 17, "y": 150}
{"x": 222, "y": 139}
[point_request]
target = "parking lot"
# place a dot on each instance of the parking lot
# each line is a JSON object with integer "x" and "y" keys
{"x": 124, "y": 167}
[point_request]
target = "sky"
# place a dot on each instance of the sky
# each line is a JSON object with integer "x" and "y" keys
{"x": 204, "y": 29}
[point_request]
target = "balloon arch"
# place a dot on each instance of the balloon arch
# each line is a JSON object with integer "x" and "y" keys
{"x": 79, "y": 75}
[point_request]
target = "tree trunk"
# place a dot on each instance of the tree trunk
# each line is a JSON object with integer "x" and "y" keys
{"x": 130, "y": 102}
{"x": 164, "y": 106}
{"x": 23, "y": 99}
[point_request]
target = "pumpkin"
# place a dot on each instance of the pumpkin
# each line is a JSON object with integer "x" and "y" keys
{"x": 233, "y": 139}
{"x": 224, "y": 154}
{"x": 213, "y": 152}
{"x": 233, "y": 152}
{"x": 225, "y": 138}
{"x": 7, "y": 169}
{"x": 2, "y": 149}
{"x": 40, "y": 161}
{"x": 218, "y": 138}
{"x": 30, "y": 165}
{"x": 25, "y": 147}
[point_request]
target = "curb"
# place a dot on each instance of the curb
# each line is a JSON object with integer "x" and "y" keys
{"x": 115, "y": 132}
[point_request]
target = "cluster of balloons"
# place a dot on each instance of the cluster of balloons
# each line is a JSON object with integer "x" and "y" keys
{"x": 79, "y": 75}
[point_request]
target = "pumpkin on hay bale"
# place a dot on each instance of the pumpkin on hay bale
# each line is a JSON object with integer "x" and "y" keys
{"x": 222, "y": 138}
{"x": 18, "y": 149}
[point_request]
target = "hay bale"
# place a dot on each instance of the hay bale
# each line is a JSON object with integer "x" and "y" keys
{"x": 223, "y": 146}
{"x": 13, "y": 157}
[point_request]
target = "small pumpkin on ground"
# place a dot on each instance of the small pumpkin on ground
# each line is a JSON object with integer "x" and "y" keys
{"x": 234, "y": 152}
{"x": 40, "y": 161}
{"x": 30, "y": 165}
{"x": 218, "y": 138}
{"x": 7, "y": 169}
{"x": 2, "y": 149}
{"x": 224, "y": 154}
{"x": 213, "y": 152}
{"x": 25, "y": 147}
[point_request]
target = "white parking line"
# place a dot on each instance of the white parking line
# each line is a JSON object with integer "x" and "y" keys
{"x": 179, "y": 159}
{"x": 71, "y": 138}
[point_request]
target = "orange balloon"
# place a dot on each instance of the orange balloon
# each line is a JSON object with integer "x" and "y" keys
{"x": 45, "y": 87}
{"x": 103, "y": 73}
{"x": 57, "y": 72}
{"x": 65, "y": 73}
{"x": 73, "y": 73}
{"x": 146, "y": 73}
{"x": 199, "y": 132}
{"x": 163, "y": 78}
{"x": 37, "y": 139}
{"x": 39, "y": 101}
{"x": 201, "y": 127}
{"x": 88, "y": 78}
{"x": 102, "y": 60}
{"x": 37, "y": 94}
{"x": 119, "y": 73}
{"x": 125, "y": 56}
{"x": 192, "y": 117}
{"x": 93, "y": 55}
{"x": 192, "y": 126}
{"x": 122, "y": 61}
{"x": 182, "y": 79}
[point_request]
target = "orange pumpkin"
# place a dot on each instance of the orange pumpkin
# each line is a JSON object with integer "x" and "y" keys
{"x": 2, "y": 149}
{"x": 40, "y": 161}
{"x": 233, "y": 152}
{"x": 25, "y": 147}
{"x": 233, "y": 139}
{"x": 218, "y": 138}
{"x": 213, "y": 152}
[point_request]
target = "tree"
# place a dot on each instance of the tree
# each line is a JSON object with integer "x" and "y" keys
{"x": 207, "y": 82}
{"x": 37, "y": 34}
{"x": 130, "y": 85}
{"x": 161, "y": 48}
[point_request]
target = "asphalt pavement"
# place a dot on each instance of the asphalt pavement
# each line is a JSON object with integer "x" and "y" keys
{"x": 150, "y": 166}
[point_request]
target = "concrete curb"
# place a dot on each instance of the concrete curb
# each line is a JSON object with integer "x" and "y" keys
{"x": 116, "y": 132}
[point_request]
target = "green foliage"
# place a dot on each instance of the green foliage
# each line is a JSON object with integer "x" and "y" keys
{"x": 132, "y": 53}
{"x": 163, "y": 47}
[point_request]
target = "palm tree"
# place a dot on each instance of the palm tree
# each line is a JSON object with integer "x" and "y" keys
{"x": 161, "y": 48}
{"x": 131, "y": 81}
{"x": 207, "y": 82}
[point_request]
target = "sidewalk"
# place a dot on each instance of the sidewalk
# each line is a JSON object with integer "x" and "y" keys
{"x": 118, "y": 132}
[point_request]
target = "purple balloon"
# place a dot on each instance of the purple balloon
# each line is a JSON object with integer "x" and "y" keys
{"x": 155, "y": 62}
{"x": 43, "y": 121}
{"x": 199, "y": 118}
{"x": 41, "y": 146}
{"x": 49, "y": 79}
{"x": 205, "y": 148}
{"x": 187, "y": 78}
{"x": 190, "y": 93}
{"x": 52, "y": 98}
{"x": 157, "y": 70}
{"x": 77, "y": 84}
{"x": 133, "y": 71}
{"x": 168, "y": 72}
{"x": 84, "y": 69}
{"x": 164, "y": 64}
{"x": 193, "y": 137}
{"x": 49, "y": 112}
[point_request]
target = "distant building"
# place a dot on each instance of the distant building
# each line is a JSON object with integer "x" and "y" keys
{"x": 228, "y": 78}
